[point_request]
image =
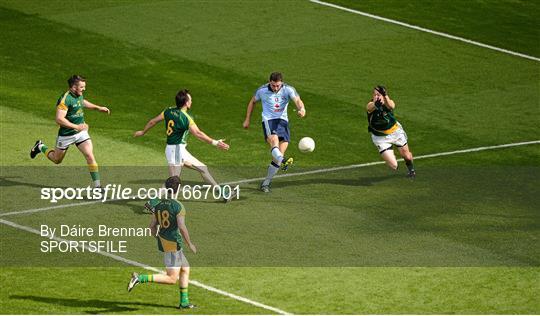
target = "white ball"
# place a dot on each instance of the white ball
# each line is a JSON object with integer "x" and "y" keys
{"x": 306, "y": 145}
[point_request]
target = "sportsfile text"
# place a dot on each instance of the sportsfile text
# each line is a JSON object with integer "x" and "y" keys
{"x": 119, "y": 192}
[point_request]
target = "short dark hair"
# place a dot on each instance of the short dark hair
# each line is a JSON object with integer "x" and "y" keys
{"x": 276, "y": 76}
{"x": 173, "y": 183}
{"x": 73, "y": 80}
{"x": 181, "y": 97}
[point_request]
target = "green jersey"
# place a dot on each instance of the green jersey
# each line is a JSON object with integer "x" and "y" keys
{"x": 381, "y": 120}
{"x": 177, "y": 123}
{"x": 166, "y": 211}
{"x": 74, "y": 106}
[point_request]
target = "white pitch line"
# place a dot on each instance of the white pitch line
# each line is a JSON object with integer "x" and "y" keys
{"x": 294, "y": 174}
{"x": 418, "y": 28}
{"x": 50, "y": 208}
{"x": 382, "y": 162}
{"x": 146, "y": 267}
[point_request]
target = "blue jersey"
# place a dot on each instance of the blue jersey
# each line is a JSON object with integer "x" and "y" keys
{"x": 274, "y": 104}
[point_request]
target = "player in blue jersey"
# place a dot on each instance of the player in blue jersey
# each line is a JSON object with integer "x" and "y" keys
{"x": 274, "y": 97}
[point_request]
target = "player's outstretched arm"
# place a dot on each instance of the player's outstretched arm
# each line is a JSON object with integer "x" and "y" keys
{"x": 63, "y": 121}
{"x": 92, "y": 106}
{"x": 249, "y": 110}
{"x": 149, "y": 125}
{"x": 219, "y": 143}
{"x": 181, "y": 222}
{"x": 300, "y": 106}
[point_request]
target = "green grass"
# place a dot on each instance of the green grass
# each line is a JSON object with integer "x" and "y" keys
{"x": 415, "y": 290}
{"x": 488, "y": 22}
{"x": 462, "y": 238}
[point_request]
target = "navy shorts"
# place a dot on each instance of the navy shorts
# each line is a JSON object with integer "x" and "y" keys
{"x": 277, "y": 127}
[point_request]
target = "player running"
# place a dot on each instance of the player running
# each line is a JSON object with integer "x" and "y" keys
{"x": 178, "y": 125}
{"x": 387, "y": 131}
{"x": 171, "y": 235}
{"x": 275, "y": 97}
{"x": 73, "y": 129}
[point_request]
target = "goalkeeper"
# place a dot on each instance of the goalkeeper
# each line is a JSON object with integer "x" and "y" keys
{"x": 387, "y": 132}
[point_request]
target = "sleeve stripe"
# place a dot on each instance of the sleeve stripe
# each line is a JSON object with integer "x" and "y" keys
{"x": 191, "y": 121}
{"x": 62, "y": 104}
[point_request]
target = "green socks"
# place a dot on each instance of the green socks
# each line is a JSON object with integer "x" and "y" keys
{"x": 146, "y": 278}
{"x": 43, "y": 148}
{"x": 184, "y": 298}
{"x": 410, "y": 165}
{"x": 94, "y": 173}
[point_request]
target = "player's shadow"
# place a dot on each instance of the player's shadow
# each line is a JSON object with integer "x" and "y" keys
{"x": 94, "y": 306}
{"x": 160, "y": 182}
{"x": 360, "y": 181}
{"x": 137, "y": 206}
{"x": 8, "y": 182}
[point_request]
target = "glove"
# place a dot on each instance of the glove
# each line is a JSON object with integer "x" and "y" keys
{"x": 381, "y": 90}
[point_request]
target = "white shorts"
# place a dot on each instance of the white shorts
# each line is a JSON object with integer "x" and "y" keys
{"x": 63, "y": 142}
{"x": 177, "y": 155}
{"x": 175, "y": 259}
{"x": 383, "y": 143}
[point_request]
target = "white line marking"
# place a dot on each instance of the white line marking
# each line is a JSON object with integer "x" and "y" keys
{"x": 382, "y": 162}
{"x": 50, "y": 208}
{"x": 294, "y": 174}
{"x": 418, "y": 28}
{"x": 146, "y": 267}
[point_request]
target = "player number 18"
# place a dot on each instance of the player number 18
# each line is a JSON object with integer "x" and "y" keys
{"x": 163, "y": 219}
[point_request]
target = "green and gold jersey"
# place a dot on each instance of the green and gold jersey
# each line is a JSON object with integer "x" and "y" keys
{"x": 74, "y": 106}
{"x": 381, "y": 120}
{"x": 177, "y": 123}
{"x": 166, "y": 211}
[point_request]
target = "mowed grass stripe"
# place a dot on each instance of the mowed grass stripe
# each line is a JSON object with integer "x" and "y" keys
{"x": 293, "y": 174}
{"x": 422, "y": 29}
{"x": 146, "y": 267}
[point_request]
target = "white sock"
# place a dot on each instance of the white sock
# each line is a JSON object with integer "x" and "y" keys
{"x": 277, "y": 155}
{"x": 273, "y": 168}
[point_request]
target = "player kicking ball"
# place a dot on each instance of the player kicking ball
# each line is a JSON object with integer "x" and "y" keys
{"x": 386, "y": 131}
{"x": 172, "y": 235}
{"x": 73, "y": 129}
{"x": 275, "y": 97}
{"x": 178, "y": 125}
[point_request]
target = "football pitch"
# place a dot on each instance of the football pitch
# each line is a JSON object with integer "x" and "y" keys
{"x": 340, "y": 233}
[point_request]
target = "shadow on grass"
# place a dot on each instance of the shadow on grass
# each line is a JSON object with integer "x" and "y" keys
{"x": 137, "y": 206}
{"x": 7, "y": 182}
{"x": 95, "y": 306}
{"x": 360, "y": 181}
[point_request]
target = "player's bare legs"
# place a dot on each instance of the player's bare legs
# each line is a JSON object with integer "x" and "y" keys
{"x": 184, "y": 277}
{"x": 174, "y": 170}
{"x": 283, "y": 147}
{"x": 390, "y": 159}
{"x": 173, "y": 275}
{"x": 56, "y": 155}
{"x": 170, "y": 278}
{"x": 200, "y": 167}
{"x": 408, "y": 157}
{"x": 87, "y": 149}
